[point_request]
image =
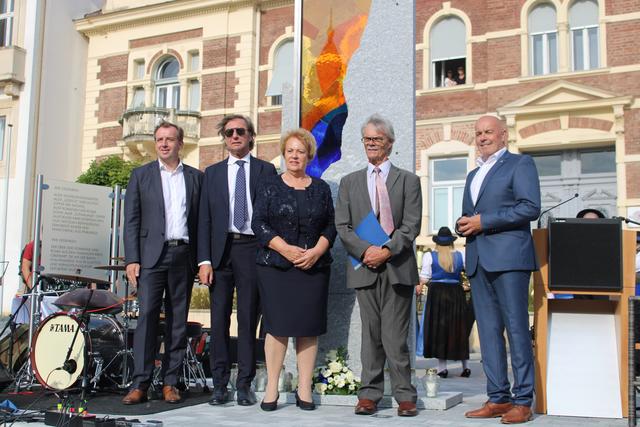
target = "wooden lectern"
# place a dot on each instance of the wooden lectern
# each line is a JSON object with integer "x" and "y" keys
{"x": 543, "y": 309}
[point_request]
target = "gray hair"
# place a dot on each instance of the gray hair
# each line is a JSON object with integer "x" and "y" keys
{"x": 382, "y": 125}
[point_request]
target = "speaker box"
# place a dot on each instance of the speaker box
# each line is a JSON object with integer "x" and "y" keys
{"x": 585, "y": 254}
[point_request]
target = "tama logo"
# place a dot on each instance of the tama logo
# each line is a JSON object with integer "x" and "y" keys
{"x": 61, "y": 327}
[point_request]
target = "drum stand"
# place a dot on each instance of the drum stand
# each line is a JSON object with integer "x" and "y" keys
{"x": 11, "y": 324}
{"x": 126, "y": 353}
{"x": 192, "y": 370}
{"x": 25, "y": 378}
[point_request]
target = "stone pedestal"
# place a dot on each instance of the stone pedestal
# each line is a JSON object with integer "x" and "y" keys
{"x": 380, "y": 79}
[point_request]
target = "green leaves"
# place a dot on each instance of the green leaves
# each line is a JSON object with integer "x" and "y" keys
{"x": 108, "y": 172}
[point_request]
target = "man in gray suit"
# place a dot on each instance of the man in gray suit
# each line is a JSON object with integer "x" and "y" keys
{"x": 384, "y": 282}
{"x": 160, "y": 231}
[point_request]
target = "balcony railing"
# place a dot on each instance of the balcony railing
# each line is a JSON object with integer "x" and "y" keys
{"x": 138, "y": 123}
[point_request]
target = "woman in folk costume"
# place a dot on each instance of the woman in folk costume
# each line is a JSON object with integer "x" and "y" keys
{"x": 446, "y": 334}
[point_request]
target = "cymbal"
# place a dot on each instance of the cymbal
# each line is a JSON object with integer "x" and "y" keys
{"x": 100, "y": 299}
{"x": 82, "y": 279}
{"x": 110, "y": 267}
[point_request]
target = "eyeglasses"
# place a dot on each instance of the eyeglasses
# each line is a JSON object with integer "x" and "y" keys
{"x": 229, "y": 132}
{"x": 376, "y": 139}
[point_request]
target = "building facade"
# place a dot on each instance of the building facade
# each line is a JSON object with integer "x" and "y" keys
{"x": 563, "y": 73}
{"x": 42, "y": 106}
{"x": 191, "y": 62}
{"x": 564, "y": 76}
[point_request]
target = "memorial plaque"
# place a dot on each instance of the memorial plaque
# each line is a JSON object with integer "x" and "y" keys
{"x": 76, "y": 229}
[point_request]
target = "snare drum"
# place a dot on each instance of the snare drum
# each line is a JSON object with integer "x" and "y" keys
{"x": 97, "y": 344}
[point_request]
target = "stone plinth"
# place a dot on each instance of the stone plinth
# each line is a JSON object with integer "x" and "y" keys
{"x": 442, "y": 402}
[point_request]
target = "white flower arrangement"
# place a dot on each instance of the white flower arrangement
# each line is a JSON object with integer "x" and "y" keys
{"x": 336, "y": 377}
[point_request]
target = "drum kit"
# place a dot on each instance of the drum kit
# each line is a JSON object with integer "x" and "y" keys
{"x": 85, "y": 342}
{"x": 88, "y": 343}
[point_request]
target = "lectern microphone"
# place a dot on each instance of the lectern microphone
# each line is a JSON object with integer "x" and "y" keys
{"x": 553, "y": 207}
{"x": 626, "y": 220}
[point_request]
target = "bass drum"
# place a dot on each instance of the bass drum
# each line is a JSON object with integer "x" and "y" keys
{"x": 97, "y": 344}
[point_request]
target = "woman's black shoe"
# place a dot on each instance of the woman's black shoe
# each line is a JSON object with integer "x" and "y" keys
{"x": 466, "y": 373}
{"x": 443, "y": 374}
{"x": 306, "y": 406}
{"x": 270, "y": 406}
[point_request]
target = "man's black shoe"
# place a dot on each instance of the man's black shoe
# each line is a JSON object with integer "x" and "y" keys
{"x": 245, "y": 396}
{"x": 220, "y": 396}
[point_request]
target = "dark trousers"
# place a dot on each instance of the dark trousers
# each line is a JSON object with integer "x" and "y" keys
{"x": 236, "y": 271}
{"x": 500, "y": 301}
{"x": 172, "y": 277}
{"x": 385, "y": 311}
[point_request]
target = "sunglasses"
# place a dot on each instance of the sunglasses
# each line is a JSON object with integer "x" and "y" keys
{"x": 229, "y": 132}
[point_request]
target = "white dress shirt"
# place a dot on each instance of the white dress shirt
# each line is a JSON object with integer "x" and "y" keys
{"x": 174, "y": 192}
{"x": 371, "y": 179}
{"x": 485, "y": 167}
{"x": 232, "y": 173}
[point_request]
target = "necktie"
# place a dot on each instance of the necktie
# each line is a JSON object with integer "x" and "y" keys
{"x": 240, "y": 211}
{"x": 383, "y": 204}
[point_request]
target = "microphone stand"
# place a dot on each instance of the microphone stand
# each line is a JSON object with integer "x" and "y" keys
{"x": 553, "y": 207}
{"x": 67, "y": 365}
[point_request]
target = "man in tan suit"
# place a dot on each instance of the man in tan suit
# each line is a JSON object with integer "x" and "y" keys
{"x": 384, "y": 283}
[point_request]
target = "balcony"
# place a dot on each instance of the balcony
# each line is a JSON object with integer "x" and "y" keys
{"x": 138, "y": 125}
{"x": 12, "y": 59}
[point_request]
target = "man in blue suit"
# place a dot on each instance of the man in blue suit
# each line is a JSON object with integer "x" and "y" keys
{"x": 160, "y": 240}
{"x": 501, "y": 198}
{"x": 227, "y": 251}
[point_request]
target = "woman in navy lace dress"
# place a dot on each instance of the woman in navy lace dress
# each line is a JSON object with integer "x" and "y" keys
{"x": 293, "y": 219}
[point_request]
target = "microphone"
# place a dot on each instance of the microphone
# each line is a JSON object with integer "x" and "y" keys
{"x": 69, "y": 366}
{"x": 553, "y": 207}
{"x": 626, "y": 220}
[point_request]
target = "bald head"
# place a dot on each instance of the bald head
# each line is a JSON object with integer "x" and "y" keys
{"x": 491, "y": 136}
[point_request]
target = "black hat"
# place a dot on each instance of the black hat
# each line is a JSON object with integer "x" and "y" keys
{"x": 583, "y": 212}
{"x": 444, "y": 237}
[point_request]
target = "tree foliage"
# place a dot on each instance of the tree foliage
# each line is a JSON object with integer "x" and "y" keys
{"x": 108, "y": 172}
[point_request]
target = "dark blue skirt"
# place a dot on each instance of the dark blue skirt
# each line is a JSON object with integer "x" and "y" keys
{"x": 294, "y": 302}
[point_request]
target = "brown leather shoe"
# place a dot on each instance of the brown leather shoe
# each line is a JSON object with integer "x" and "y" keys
{"x": 516, "y": 415}
{"x": 366, "y": 407}
{"x": 490, "y": 410}
{"x": 170, "y": 394}
{"x": 135, "y": 396}
{"x": 407, "y": 409}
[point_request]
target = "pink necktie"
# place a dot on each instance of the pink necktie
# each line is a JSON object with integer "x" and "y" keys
{"x": 383, "y": 205}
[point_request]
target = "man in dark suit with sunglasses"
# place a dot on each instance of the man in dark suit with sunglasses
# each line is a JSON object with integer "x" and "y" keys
{"x": 227, "y": 254}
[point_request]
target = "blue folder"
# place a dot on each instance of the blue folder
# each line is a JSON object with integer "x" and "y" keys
{"x": 370, "y": 230}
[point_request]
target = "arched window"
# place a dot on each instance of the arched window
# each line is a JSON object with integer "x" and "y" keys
{"x": 448, "y": 49}
{"x": 583, "y": 26}
{"x": 543, "y": 40}
{"x": 167, "y": 85}
{"x": 282, "y": 71}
